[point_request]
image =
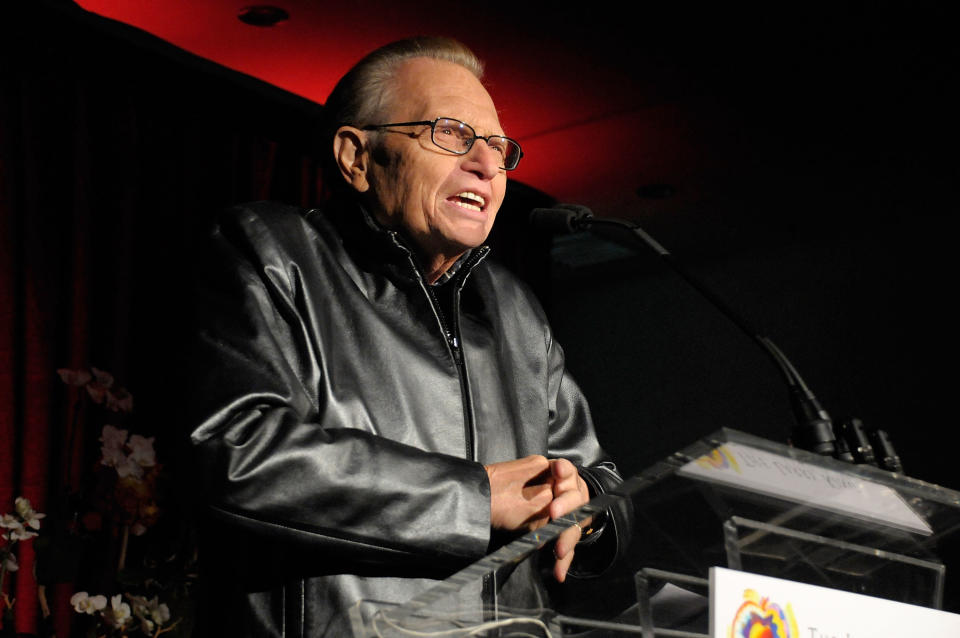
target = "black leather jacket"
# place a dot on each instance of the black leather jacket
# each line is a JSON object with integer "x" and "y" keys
{"x": 344, "y": 416}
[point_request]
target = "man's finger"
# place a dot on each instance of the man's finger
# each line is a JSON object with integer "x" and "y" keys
{"x": 563, "y": 550}
{"x": 519, "y": 497}
{"x": 537, "y": 496}
{"x": 562, "y": 469}
{"x": 561, "y": 567}
{"x": 566, "y": 502}
{"x": 564, "y": 475}
{"x": 536, "y": 523}
{"x": 523, "y": 470}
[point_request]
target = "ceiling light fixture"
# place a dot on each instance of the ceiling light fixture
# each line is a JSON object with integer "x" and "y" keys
{"x": 262, "y": 15}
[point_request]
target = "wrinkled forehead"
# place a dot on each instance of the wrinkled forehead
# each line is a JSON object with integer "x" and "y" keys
{"x": 425, "y": 89}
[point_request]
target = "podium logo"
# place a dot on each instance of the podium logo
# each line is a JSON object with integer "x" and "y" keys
{"x": 719, "y": 459}
{"x": 759, "y": 618}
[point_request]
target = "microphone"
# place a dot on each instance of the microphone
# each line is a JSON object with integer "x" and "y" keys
{"x": 855, "y": 435}
{"x": 565, "y": 218}
{"x": 814, "y": 428}
{"x": 889, "y": 459}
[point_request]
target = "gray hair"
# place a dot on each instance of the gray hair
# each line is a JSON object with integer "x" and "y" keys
{"x": 364, "y": 93}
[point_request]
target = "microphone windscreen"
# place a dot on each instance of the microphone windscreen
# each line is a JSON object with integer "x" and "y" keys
{"x": 564, "y": 218}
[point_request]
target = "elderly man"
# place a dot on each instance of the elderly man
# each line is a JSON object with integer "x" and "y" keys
{"x": 378, "y": 403}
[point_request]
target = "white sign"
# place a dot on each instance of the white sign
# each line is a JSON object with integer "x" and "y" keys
{"x": 743, "y": 604}
{"x": 775, "y": 475}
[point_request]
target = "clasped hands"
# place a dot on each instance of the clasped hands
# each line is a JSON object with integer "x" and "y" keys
{"x": 527, "y": 493}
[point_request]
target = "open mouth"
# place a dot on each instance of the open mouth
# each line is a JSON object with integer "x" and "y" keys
{"x": 470, "y": 201}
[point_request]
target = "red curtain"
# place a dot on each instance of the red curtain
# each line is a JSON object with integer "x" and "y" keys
{"x": 114, "y": 150}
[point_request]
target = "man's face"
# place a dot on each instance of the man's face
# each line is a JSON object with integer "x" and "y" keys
{"x": 432, "y": 193}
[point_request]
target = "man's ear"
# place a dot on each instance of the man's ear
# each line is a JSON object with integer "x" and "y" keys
{"x": 352, "y": 156}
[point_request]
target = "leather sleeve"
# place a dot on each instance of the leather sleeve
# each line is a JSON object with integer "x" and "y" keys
{"x": 270, "y": 460}
{"x": 572, "y": 436}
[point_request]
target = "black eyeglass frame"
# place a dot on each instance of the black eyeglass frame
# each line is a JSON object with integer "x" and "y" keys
{"x": 433, "y": 137}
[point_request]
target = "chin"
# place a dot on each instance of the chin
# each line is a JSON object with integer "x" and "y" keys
{"x": 469, "y": 242}
{"x": 464, "y": 239}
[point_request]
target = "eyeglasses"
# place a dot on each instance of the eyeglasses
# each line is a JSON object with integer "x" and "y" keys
{"x": 458, "y": 137}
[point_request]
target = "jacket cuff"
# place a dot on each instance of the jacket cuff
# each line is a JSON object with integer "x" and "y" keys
{"x": 605, "y": 545}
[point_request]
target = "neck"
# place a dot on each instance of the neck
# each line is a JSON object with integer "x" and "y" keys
{"x": 435, "y": 266}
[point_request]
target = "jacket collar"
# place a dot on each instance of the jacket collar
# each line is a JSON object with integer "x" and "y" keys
{"x": 375, "y": 246}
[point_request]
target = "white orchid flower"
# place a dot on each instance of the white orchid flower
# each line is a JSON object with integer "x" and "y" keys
{"x": 112, "y": 456}
{"x": 20, "y": 534}
{"x": 119, "y": 400}
{"x": 96, "y": 392}
{"x": 151, "y": 612}
{"x": 34, "y": 519}
{"x": 140, "y": 605}
{"x": 141, "y": 450}
{"x": 17, "y": 532}
{"x": 146, "y": 625}
{"x": 129, "y": 467}
{"x": 104, "y": 379}
{"x": 83, "y": 603}
{"x": 74, "y": 377}
{"x": 22, "y": 505}
{"x": 141, "y": 609}
{"x": 119, "y": 612}
{"x": 10, "y": 563}
{"x": 113, "y": 438}
{"x": 26, "y": 512}
{"x": 79, "y": 602}
{"x": 159, "y": 612}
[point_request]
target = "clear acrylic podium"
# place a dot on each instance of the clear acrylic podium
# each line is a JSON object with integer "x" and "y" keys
{"x": 731, "y": 500}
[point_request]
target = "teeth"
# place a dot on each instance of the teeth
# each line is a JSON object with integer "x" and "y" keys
{"x": 472, "y": 196}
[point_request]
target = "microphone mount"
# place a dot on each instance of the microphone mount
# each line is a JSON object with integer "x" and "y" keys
{"x": 814, "y": 428}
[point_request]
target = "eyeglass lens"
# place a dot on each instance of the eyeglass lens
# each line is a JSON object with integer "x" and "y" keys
{"x": 457, "y": 137}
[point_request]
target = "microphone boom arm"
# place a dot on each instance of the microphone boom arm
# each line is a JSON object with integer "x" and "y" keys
{"x": 814, "y": 429}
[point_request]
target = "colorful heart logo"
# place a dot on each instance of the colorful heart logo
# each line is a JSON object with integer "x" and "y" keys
{"x": 757, "y": 617}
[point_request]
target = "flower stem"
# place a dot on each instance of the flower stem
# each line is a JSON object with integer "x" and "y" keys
{"x": 124, "y": 541}
{"x": 3, "y": 565}
{"x": 163, "y": 630}
{"x": 42, "y": 597}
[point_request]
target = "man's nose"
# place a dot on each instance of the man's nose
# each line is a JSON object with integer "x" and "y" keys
{"x": 483, "y": 160}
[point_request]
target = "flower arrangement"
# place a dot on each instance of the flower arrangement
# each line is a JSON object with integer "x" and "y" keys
{"x": 126, "y": 493}
{"x": 100, "y": 387}
{"x": 124, "y": 496}
{"x": 121, "y": 500}
{"x": 120, "y": 618}
{"x": 22, "y": 525}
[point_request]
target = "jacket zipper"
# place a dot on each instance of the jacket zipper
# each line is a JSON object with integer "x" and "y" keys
{"x": 456, "y": 348}
{"x": 469, "y": 425}
{"x": 452, "y": 337}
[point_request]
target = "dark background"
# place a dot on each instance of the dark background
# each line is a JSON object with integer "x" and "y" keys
{"x": 831, "y": 229}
